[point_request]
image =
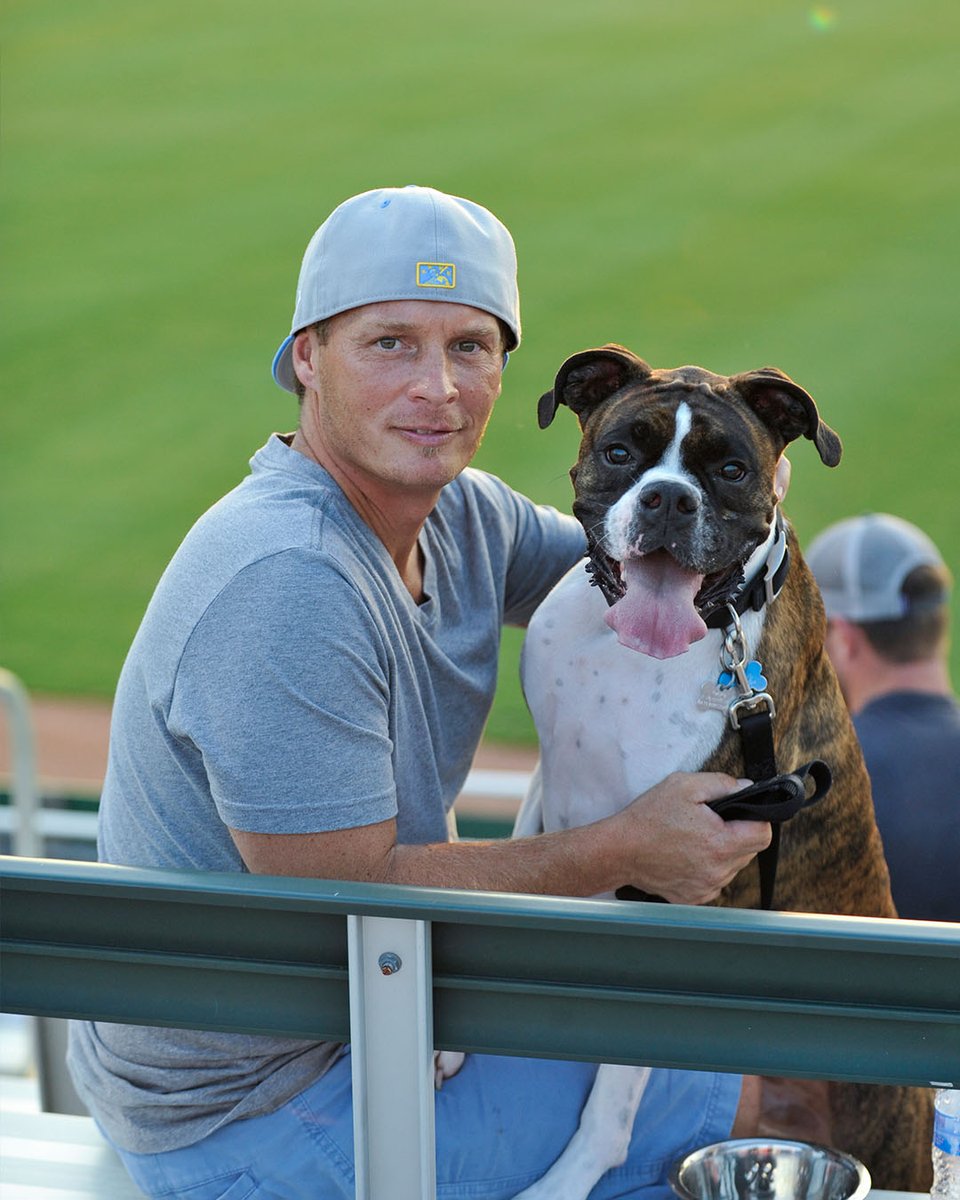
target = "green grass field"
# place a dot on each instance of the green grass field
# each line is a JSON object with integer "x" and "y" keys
{"x": 729, "y": 183}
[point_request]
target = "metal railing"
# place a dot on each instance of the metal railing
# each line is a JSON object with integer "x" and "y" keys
{"x": 21, "y": 820}
{"x": 729, "y": 990}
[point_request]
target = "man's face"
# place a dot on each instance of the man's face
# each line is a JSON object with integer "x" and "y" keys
{"x": 404, "y": 391}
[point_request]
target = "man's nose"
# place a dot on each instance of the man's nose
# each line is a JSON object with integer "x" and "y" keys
{"x": 434, "y": 378}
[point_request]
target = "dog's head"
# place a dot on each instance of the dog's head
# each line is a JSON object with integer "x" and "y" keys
{"x": 675, "y": 479}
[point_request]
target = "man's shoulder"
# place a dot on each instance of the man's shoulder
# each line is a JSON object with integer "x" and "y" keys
{"x": 237, "y": 532}
{"x": 894, "y": 706}
{"x": 258, "y": 540}
{"x": 286, "y": 503}
{"x": 905, "y": 733}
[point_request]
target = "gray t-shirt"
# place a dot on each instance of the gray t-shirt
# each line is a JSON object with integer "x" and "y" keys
{"x": 283, "y": 680}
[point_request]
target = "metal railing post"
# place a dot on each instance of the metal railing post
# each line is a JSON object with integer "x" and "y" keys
{"x": 27, "y": 840}
{"x": 391, "y": 1038}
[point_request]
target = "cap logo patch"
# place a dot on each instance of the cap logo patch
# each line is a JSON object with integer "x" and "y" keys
{"x": 436, "y": 275}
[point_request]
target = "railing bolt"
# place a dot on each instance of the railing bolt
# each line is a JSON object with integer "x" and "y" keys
{"x": 389, "y": 963}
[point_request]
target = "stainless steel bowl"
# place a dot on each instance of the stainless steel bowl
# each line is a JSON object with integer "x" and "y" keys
{"x": 753, "y": 1169}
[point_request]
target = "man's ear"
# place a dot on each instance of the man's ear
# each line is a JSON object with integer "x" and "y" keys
{"x": 845, "y": 640}
{"x": 589, "y": 378}
{"x": 303, "y": 358}
{"x": 787, "y": 410}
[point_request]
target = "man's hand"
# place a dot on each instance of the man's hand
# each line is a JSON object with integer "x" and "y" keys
{"x": 684, "y": 851}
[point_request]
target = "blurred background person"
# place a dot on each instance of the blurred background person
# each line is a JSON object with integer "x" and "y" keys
{"x": 886, "y": 591}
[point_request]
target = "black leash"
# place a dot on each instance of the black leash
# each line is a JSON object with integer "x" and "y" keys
{"x": 775, "y": 799}
{"x": 760, "y": 765}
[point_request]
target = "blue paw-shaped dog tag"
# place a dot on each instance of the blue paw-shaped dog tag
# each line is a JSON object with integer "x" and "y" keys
{"x": 754, "y": 676}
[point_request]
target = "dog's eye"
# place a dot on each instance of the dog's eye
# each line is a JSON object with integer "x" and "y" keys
{"x": 733, "y": 471}
{"x": 617, "y": 455}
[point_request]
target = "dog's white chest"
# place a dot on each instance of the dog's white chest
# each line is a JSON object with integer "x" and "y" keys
{"x": 611, "y": 722}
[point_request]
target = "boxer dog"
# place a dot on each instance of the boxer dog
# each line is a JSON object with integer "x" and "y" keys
{"x": 704, "y": 616}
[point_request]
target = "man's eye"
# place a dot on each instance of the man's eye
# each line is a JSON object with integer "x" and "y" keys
{"x": 733, "y": 471}
{"x": 468, "y": 346}
{"x": 617, "y": 456}
{"x": 388, "y": 343}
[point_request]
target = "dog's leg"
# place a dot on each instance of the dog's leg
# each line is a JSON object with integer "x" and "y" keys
{"x": 530, "y": 817}
{"x": 602, "y": 1139}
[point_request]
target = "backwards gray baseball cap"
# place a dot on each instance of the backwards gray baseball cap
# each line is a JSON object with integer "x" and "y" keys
{"x": 861, "y": 564}
{"x": 411, "y": 243}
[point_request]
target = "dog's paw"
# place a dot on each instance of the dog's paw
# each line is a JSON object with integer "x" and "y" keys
{"x": 446, "y": 1063}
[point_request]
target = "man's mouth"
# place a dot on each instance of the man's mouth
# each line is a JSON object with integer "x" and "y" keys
{"x": 428, "y": 436}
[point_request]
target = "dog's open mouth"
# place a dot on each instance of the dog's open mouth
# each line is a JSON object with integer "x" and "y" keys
{"x": 657, "y": 614}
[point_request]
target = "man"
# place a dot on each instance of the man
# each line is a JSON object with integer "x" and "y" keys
{"x": 305, "y": 696}
{"x": 886, "y": 589}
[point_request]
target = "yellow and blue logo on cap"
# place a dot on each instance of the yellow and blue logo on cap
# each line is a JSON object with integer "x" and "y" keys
{"x": 436, "y": 275}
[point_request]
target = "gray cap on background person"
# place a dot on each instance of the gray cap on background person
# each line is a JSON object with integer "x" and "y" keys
{"x": 411, "y": 243}
{"x": 860, "y": 565}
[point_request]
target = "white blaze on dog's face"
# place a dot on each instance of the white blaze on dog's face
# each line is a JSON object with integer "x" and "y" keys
{"x": 657, "y": 616}
{"x": 623, "y": 538}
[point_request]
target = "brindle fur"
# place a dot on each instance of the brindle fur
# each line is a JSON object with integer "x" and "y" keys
{"x": 831, "y": 861}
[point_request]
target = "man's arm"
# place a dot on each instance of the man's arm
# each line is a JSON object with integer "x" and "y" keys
{"x": 666, "y": 842}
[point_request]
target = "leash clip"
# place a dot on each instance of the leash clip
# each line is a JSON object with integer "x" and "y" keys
{"x": 734, "y": 660}
{"x": 733, "y": 656}
{"x": 749, "y": 705}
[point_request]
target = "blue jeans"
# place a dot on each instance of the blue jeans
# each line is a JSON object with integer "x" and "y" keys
{"x": 501, "y": 1122}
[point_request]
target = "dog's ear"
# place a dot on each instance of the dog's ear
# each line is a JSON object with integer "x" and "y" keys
{"x": 587, "y": 379}
{"x": 789, "y": 411}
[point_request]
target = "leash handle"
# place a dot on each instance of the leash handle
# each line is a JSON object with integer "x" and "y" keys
{"x": 775, "y": 800}
{"x": 779, "y": 798}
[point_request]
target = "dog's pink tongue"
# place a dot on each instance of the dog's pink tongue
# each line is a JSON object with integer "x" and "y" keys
{"x": 657, "y": 616}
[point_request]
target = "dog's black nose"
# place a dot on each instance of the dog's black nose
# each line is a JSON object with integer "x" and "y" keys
{"x": 671, "y": 498}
